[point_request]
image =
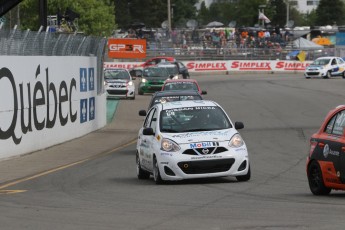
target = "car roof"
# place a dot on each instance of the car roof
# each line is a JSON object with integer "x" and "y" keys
{"x": 166, "y": 64}
{"x": 110, "y": 69}
{"x": 328, "y": 57}
{"x": 176, "y": 93}
{"x": 181, "y": 80}
{"x": 190, "y": 103}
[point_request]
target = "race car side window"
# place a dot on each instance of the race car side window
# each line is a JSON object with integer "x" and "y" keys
{"x": 148, "y": 119}
{"x": 330, "y": 125}
{"x": 334, "y": 62}
{"x": 153, "y": 121}
{"x": 339, "y": 124}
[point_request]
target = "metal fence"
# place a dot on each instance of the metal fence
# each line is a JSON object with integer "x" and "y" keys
{"x": 17, "y": 42}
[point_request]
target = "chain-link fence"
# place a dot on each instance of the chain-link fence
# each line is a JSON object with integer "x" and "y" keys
{"x": 42, "y": 43}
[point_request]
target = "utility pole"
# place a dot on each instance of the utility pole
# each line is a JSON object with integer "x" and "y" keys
{"x": 43, "y": 13}
{"x": 169, "y": 16}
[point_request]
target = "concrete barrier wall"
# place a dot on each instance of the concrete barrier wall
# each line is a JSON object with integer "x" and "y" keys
{"x": 45, "y": 101}
{"x": 229, "y": 65}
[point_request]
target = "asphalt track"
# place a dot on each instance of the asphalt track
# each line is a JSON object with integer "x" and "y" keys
{"x": 101, "y": 191}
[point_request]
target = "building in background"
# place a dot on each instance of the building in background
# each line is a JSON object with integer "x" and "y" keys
{"x": 304, "y": 6}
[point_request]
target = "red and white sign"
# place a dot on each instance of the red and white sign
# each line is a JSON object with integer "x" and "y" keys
{"x": 230, "y": 66}
{"x": 126, "y": 48}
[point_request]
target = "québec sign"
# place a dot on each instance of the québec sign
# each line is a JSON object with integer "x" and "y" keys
{"x": 41, "y": 104}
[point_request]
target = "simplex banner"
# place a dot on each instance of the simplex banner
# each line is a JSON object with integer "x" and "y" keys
{"x": 231, "y": 66}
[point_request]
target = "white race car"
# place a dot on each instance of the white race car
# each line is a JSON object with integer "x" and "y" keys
{"x": 326, "y": 67}
{"x": 190, "y": 139}
{"x": 118, "y": 83}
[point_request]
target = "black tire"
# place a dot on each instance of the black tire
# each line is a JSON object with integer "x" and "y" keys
{"x": 132, "y": 98}
{"x": 156, "y": 174}
{"x": 140, "y": 92}
{"x": 244, "y": 177}
{"x": 328, "y": 75}
{"x": 142, "y": 174}
{"x": 315, "y": 179}
{"x": 343, "y": 74}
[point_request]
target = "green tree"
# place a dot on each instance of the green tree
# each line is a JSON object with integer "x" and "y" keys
{"x": 330, "y": 12}
{"x": 276, "y": 12}
{"x": 96, "y": 16}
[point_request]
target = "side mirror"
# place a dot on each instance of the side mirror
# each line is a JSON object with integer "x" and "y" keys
{"x": 148, "y": 132}
{"x": 239, "y": 125}
{"x": 171, "y": 76}
{"x": 203, "y": 92}
{"x": 142, "y": 113}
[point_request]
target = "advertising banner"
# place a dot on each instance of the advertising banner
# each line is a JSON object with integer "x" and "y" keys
{"x": 126, "y": 48}
{"x": 46, "y": 101}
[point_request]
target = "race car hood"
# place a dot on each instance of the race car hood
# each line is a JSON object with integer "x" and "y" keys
{"x": 316, "y": 66}
{"x": 155, "y": 79}
{"x": 200, "y": 136}
{"x": 116, "y": 80}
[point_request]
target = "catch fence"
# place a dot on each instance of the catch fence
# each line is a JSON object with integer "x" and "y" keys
{"x": 17, "y": 42}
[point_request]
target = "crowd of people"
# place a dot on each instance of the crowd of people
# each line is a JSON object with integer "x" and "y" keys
{"x": 231, "y": 38}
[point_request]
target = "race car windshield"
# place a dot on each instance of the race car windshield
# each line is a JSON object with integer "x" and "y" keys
{"x": 164, "y": 99}
{"x": 172, "y": 70}
{"x": 116, "y": 74}
{"x": 321, "y": 62}
{"x": 156, "y": 72}
{"x": 180, "y": 86}
{"x": 193, "y": 119}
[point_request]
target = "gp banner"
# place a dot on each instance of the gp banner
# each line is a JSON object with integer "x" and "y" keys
{"x": 126, "y": 48}
{"x": 231, "y": 66}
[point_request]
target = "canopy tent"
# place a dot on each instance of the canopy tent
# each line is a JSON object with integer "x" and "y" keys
{"x": 302, "y": 43}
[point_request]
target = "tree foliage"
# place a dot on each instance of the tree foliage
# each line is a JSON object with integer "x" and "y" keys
{"x": 153, "y": 12}
{"x": 96, "y": 16}
{"x": 330, "y": 12}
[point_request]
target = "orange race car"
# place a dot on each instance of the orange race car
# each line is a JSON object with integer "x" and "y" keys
{"x": 326, "y": 159}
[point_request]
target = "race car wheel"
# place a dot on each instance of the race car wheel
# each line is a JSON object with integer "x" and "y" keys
{"x": 343, "y": 74}
{"x": 132, "y": 98}
{"x": 140, "y": 92}
{"x": 328, "y": 75}
{"x": 142, "y": 174}
{"x": 244, "y": 177}
{"x": 315, "y": 179}
{"x": 156, "y": 174}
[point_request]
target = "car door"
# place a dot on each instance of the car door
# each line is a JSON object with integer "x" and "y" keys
{"x": 151, "y": 140}
{"x": 341, "y": 65}
{"x": 331, "y": 142}
{"x": 334, "y": 66}
{"x": 143, "y": 140}
{"x": 339, "y": 147}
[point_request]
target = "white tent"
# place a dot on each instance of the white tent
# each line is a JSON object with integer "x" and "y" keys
{"x": 302, "y": 43}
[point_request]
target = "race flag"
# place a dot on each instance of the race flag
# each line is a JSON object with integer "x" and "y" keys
{"x": 301, "y": 56}
{"x": 263, "y": 17}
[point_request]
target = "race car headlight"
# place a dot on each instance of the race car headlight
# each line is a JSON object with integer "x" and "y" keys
{"x": 130, "y": 83}
{"x": 143, "y": 80}
{"x": 236, "y": 141}
{"x": 175, "y": 77}
{"x": 169, "y": 145}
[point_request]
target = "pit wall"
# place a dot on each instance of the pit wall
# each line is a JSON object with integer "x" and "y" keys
{"x": 45, "y": 101}
{"x": 230, "y": 66}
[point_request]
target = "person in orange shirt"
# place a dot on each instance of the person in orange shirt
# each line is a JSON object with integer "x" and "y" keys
{"x": 244, "y": 34}
{"x": 261, "y": 34}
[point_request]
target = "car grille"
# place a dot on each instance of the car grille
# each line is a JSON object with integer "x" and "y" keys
{"x": 206, "y": 166}
{"x": 156, "y": 83}
{"x": 205, "y": 151}
{"x": 312, "y": 73}
{"x": 117, "y": 86}
{"x": 117, "y": 92}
